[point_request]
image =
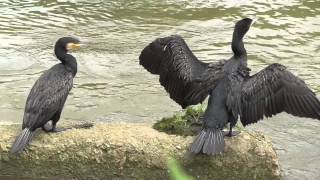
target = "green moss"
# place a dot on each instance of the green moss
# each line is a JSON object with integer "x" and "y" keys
{"x": 183, "y": 123}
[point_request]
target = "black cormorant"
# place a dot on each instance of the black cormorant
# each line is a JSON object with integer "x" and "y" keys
{"x": 233, "y": 92}
{"x": 49, "y": 93}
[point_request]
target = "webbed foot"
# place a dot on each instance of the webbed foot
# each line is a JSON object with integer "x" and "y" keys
{"x": 231, "y": 133}
{"x": 48, "y": 127}
{"x": 85, "y": 125}
{"x": 59, "y": 129}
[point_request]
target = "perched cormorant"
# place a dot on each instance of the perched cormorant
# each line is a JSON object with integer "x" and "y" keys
{"x": 49, "y": 93}
{"x": 233, "y": 92}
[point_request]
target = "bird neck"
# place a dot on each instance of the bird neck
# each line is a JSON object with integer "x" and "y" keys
{"x": 66, "y": 59}
{"x": 238, "y": 46}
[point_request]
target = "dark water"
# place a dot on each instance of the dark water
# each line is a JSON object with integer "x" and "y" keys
{"x": 111, "y": 86}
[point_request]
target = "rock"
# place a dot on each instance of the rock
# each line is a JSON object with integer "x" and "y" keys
{"x": 133, "y": 151}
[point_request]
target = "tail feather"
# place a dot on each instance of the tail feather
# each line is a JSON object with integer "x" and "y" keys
{"x": 208, "y": 141}
{"x": 22, "y": 141}
{"x": 197, "y": 144}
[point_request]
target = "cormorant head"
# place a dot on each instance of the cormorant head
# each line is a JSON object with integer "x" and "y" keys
{"x": 242, "y": 27}
{"x": 66, "y": 44}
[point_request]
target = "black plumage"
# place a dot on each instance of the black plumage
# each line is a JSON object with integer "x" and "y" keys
{"x": 49, "y": 93}
{"x": 233, "y": 92}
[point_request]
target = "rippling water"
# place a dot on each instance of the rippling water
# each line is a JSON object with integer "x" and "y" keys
{"x": 110, "y": 85}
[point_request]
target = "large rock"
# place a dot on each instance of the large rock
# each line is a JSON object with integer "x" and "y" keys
{"x": 133, "y": 151}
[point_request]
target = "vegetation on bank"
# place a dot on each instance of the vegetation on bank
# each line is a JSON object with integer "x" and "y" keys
{"x": 185, "y": 123}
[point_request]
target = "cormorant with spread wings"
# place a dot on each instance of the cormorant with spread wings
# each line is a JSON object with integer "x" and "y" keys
{"x": 233, "y": 92}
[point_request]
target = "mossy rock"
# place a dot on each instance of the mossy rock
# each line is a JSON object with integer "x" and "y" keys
{"x": 133, "y": 151}
{"x": 185, "y": 123}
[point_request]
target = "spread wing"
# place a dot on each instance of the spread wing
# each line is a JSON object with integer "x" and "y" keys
{"x": 185, "y": 78}
{"x": 47, "y": 96}
{"x": 274, "y": 90}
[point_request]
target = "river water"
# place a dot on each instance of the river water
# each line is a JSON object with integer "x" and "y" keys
{"x": 111, "y": 86}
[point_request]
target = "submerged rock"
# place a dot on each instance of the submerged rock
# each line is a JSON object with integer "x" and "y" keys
{"x": 133, "y": 151}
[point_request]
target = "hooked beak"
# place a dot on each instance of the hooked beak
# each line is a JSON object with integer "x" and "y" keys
{"x": 73, "y": 46}
{"x": 254, "y": 20}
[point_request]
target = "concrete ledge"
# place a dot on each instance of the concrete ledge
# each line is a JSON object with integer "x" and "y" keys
{"x": 133, "y": 151}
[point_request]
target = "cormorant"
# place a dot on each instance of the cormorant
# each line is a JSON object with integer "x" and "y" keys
{"x": 233, "y": 91}
{"x": 49, "y": 93}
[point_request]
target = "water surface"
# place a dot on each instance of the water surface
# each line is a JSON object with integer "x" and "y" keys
{"x": 111, "y": 86}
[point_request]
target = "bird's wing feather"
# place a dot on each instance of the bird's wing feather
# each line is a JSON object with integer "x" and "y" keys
{"x": 47, "y": 96}
{"x": 185, "y": 78}
{"x": 274, "y": 90}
